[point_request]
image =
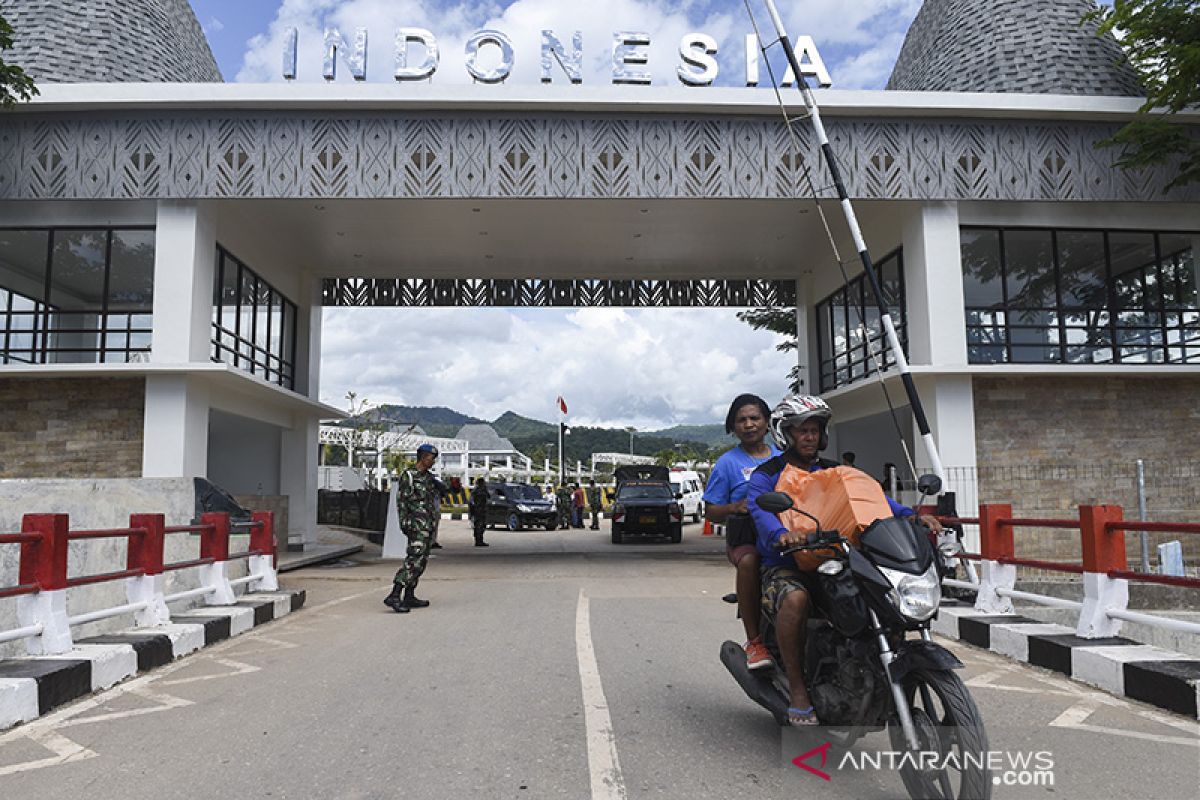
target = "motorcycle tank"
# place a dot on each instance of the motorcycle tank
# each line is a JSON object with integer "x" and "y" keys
{"x": 895, "y": 544}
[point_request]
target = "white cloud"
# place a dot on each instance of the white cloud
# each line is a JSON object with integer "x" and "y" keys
{"x": 866, "y": 26}
{"x": 648, "y": 368}
{"x": 213, "y": 26}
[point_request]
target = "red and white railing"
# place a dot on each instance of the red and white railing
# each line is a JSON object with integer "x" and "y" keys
{"x": 1104, "y": 569}
{"x": 43, "y": 580}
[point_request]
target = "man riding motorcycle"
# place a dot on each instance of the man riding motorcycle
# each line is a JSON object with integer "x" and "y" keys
{"x": 799, "y": 426}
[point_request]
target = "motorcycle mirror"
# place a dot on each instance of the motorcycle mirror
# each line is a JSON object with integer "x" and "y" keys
{"x": 774, "y": 502}
{"x": 929, "y": 484}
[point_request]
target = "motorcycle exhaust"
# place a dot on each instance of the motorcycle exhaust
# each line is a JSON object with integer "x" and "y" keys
{"x": 757, "y": 686}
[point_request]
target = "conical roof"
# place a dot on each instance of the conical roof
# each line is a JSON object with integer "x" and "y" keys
{"x": 1031, "y": 46}
{"x": 83, "y": 41}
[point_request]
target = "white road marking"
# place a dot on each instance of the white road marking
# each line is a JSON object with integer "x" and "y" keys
{"x": 1076, "y": 717}
{"x": 607, "y": 781}
{"x": 43, "y": 731}
{"x": 65, "y": 751}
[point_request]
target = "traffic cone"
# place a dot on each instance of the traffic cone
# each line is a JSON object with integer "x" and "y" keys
{"x": 708, "y": 531}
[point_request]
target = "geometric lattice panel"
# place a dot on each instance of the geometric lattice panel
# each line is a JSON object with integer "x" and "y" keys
{"x": 229, "y": 154}
{"x": 550, "y": 293}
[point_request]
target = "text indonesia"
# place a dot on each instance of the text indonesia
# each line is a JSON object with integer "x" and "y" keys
{"x": 417, "y": 57}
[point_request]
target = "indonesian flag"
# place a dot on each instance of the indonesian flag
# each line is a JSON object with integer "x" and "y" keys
{"x": 562, "y": 404}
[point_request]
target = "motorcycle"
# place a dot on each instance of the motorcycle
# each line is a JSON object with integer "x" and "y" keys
{"x": 863, "y": 672}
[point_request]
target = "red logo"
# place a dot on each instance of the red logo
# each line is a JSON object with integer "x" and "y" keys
{"x": 823, "y": 750}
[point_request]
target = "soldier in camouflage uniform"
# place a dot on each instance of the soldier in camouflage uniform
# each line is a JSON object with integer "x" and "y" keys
{"x": 562, "y": 499}
{"x": 417, "y": 502}
{"x": 593, "y": 501}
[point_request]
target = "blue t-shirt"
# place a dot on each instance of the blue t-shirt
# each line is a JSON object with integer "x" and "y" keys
{"x": 730, "y": 478}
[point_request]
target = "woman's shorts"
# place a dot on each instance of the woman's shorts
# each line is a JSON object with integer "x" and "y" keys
{"x": 736, "y": 554}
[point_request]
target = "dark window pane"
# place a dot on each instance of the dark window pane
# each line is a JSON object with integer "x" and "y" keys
{"x": 1082, "y": 277}
{"x": 77, "y": 269}
{"x": 1029, "y": 269}
{"x": 981, "y": 267}
{"x": 23, "y": 262}
{"x": 131, "y": 271}
{"x": 1133, "y": 268}
{"x": 1178, "y": 267}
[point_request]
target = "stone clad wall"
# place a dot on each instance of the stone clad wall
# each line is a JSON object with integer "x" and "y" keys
{"x": 71, "y": 428}
{"x": 70, "y": 41}
{"x": 1048, "y": 444}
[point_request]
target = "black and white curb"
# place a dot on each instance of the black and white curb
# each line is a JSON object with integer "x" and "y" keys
{"x": 1118, "y": 665}
{"x": 31, "y": 686}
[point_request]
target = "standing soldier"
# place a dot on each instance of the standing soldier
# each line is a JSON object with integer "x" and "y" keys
{"x": 416, "y": 501}
{"x": 562, "y": 499}
{"x": 479, "y": 501}
{"x": 593, "y": 500}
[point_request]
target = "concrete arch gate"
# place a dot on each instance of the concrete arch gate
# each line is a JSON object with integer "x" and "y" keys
{"x": 542, "y": 197}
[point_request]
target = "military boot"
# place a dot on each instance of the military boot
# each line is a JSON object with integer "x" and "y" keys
{"x": 412, "y": 601}
{"x": 395, "y": 601}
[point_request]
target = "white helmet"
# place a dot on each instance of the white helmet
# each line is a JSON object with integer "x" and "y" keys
{"x": 795, "y": 409}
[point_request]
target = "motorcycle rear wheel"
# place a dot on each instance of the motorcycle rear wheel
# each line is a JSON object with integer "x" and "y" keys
{"x": 947, "y": 722}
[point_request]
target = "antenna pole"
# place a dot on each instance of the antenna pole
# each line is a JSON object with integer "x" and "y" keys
{"x": 860, "y": 244}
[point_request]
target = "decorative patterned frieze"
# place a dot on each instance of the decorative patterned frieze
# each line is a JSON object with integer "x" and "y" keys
{"x": 471, "y": 155}
{"x": 546, "y": 293}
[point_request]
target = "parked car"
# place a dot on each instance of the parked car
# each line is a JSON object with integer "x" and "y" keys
{"x": 645, "y": 505}
{"x": 689, "y": 487}
{"x": 519, "y": 505}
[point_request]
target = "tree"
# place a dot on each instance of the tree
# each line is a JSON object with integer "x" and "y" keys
{"x": 783, "y": 322}
{"x": 1162, "y": 40}
{"x": 15, "y": 85}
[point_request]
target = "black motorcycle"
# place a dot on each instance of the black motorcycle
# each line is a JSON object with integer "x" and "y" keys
{"x": 863, "y": 673}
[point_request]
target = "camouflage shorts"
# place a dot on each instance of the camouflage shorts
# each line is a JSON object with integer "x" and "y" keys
{"x": 780, "y": 581}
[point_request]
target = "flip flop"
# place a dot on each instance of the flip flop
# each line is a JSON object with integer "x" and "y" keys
{"x": 802, "y": 717}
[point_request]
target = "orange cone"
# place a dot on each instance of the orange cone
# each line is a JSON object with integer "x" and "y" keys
{"x": 708, "y": 531}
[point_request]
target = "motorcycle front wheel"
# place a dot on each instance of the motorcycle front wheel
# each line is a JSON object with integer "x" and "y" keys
{"x": 949, "y": 725}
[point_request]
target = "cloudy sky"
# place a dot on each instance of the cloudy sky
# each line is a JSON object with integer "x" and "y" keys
{"x": 676, "y": 365}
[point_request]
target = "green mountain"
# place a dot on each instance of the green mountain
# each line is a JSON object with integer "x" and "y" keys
{"x": 535, "y": 437}
{"x": 708, "y": 435}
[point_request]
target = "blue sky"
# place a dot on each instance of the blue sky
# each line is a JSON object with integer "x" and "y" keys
{"x": 858, "y": 39}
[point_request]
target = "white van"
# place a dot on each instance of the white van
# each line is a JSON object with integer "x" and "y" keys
{"x": 691, "y": 486}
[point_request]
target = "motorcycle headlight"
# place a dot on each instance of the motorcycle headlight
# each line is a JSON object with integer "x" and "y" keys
{"x": 524, "y": 509}
{"x": 916, "y": 597}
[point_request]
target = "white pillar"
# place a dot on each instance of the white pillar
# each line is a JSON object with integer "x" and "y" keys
{"x": 308, "y": 337}
{"x": 803, "y": 338}
{"x": 185, "y": 257}
{"x": 934, "y": 287}
{"x": 175, "y": 427}
{"x": 298, "y": 477}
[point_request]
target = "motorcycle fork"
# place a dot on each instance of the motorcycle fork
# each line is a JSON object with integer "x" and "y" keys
{"x": 887, "y": 656}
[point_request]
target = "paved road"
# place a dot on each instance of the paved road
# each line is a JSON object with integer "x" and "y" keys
{"x": 482, "y": 695}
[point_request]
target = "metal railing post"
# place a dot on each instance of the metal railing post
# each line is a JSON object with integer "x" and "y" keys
{"x": 1103, "y": 550}
{"x": 44, "y": 563}
{"x": 214, "y": 544}
{"x": 995, "y": 542}
{"x": 146, "y": 553}
{"x": 262, "y": 539}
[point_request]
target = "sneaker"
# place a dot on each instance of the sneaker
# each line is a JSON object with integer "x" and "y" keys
{"x": 757, "y": 655}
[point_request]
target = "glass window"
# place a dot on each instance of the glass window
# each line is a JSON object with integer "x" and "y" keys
{"x": 1095, "y": 297}
{"x": 1081, "y": 269}
{"x": 23, "y": 262}
{"x": 131, "y": 271}
{"x": 850, "y": 326}
{"x": 253, "y": 324}
{"x": 77, "y": 269}
{"x": 982, "y": 275}
{"x": 1029, "y": 269}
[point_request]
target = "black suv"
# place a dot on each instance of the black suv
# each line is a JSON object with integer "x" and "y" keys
{"x": 645, "y": 505}
{"x": 519, "y": 505}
